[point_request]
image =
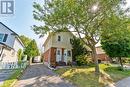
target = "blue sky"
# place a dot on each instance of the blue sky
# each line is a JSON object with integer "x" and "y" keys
{"x": 22, "y": 20}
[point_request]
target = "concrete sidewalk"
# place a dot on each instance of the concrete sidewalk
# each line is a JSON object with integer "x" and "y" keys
{"x": 122, "y": 83}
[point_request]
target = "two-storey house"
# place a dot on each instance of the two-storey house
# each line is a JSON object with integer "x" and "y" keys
{"x": 58, "y": 48}
{"x": 10, "y": 43}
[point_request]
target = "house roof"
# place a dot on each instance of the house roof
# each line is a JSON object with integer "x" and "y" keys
{"x": 14, "y": 33}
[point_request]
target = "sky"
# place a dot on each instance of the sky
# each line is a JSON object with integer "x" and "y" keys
{"x": 22, "y": 20}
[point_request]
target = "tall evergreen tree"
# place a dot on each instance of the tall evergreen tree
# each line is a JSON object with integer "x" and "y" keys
{"x": 78, "y": 48}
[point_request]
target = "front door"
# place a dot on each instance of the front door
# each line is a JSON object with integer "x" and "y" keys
{"x": 65, "y": 55}
{"x": 58, "y": 55}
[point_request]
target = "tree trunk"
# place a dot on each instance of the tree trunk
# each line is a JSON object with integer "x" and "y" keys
{"x": 30, "y": 61}
{"x": 120, "y": 60}
{"x": 94, "y": 55}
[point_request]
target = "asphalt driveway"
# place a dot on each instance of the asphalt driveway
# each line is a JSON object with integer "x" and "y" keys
{"x": 39, "y": 75}
{"x": 5, "y": 74}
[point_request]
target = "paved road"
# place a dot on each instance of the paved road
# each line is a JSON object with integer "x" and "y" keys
{"x": 123, "y": 83}
{"x": 40, "y": 76}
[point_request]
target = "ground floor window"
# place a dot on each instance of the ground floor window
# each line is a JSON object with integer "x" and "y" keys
{"x": 58, "y": 52}
{"x": 69, "y": 53}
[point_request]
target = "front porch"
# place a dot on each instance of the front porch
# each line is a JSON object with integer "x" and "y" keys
{"x": 60, "y": 57}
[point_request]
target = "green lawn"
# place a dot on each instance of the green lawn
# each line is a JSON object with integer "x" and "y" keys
{"x": 13, "y": 78}
{"x": 85, "y": 76}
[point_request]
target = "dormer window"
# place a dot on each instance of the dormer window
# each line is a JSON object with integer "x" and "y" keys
{"x": 59, "y": 38}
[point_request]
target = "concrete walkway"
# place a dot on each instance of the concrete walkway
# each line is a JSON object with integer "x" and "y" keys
{"x": 40, "y": 76}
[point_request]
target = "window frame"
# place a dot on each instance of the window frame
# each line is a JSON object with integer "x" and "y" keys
{"x": 59, "y": 38}
{"x": 58, "y": 52}
{"x": 1, "y": 40}
{"x": 69, "y": 53}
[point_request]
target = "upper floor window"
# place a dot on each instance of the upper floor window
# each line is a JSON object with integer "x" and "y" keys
{"x": 3, "y": 37}
{"x": 70, "y": 41}
{"x": 69, "y": 53}
{"x": 58, "y": 52}
{"x": 59, "y": 38}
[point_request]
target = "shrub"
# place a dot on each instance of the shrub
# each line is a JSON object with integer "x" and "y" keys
{"x": 19, "y": 54}
{"x": 126, "y": 60}
{"x": 83, "y": 60}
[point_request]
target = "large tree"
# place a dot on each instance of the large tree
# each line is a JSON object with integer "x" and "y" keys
{"x": 85, "y": 17}
{"x": 116, "y": 40}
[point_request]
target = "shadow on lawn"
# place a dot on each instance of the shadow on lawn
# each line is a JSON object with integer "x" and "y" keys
{"x": 82, "y": 78}
{"x": 85, "y": 77}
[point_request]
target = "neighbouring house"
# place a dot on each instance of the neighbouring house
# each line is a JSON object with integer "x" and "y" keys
{"x": 58, "y": 49}
{"x": 10, "y": 43}
{"x": 102, "y": 56}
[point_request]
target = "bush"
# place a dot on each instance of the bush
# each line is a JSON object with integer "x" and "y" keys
{"x": 126, "y": 60}
{"x": 19, "y": 54}
{"x": 83, "y": 60}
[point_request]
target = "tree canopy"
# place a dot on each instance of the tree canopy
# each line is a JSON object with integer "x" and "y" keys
{"x": 116, "y": 40}
{"x": 25, "y": 40}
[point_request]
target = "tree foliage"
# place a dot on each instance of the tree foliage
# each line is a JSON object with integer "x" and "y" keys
{"x": 31, "y": 50}
{"x": 25, "y": 40}
{"x": 116, "y": 40}
{"x": 78, "y": 48}
{"x": 19, "y": 54}
{"x": 85, "y": 17}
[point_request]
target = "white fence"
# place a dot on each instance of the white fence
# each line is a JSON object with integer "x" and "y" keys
{"x": 13, "y": 65}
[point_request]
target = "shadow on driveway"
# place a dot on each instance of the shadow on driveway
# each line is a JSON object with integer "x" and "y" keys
{"x": 39, "y": 75}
